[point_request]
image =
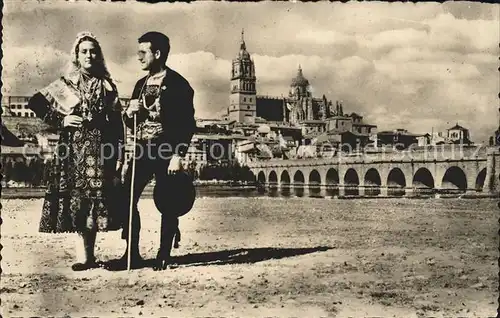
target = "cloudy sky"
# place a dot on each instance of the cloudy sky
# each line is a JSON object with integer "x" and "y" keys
{"x": 416, "y": 66}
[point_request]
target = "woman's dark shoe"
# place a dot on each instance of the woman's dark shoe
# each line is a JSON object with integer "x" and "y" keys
{"x": 85, "y": 266}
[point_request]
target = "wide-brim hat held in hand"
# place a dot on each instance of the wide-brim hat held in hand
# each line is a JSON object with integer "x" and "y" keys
{"x": 175, "y": 194}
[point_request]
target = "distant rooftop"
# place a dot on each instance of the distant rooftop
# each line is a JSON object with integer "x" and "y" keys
{"x": 457, "y": 127}
{"x": 315, "y": 121}
{"x": 270, "y": 97}
{"x": 363, "y": 124}
{"x": 403, "y": 132}
{"x": 355, "y": 115}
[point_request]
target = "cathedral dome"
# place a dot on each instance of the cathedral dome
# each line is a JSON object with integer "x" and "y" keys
{"x": 243, "y": 54}
{"x": 300, "y": 80}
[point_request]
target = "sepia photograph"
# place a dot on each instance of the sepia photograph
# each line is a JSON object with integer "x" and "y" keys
{"x": 250, "y": 159}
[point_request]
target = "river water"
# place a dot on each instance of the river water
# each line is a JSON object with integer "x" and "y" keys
{"x": 305, "y": 192}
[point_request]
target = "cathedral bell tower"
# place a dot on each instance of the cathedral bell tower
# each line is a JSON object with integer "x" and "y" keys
{"x": 242, "y": 100}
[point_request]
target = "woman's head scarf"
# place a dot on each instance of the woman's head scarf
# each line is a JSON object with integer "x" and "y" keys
{"x": 101, "y": 69}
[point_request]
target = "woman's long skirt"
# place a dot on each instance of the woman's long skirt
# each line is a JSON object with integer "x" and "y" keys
{"x": 83, "y": 188}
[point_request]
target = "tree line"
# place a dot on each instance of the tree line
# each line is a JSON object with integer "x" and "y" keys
{"x": 35, "y": 172}
{"x": 226, "y": 171}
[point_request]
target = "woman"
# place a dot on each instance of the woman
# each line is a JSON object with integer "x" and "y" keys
{"x": 83, "y": 183}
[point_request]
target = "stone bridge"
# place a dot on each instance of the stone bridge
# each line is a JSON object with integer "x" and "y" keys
{"x": 423, "y": 171}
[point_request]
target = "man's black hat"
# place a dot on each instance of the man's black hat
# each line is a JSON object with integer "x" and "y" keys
{"x": 175, "y": 194}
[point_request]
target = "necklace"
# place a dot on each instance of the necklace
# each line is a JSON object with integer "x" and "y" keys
{"x": 89, "y": 91}
{"x": 156, "y": 104}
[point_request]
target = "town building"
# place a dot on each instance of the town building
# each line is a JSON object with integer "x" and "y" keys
{"x": 400, "y": 138}
{"x": 424, "y": 140}
{"x": 458, "y": 135}
{"x": 438, "y": 138}
{"x": 17, "y": 106}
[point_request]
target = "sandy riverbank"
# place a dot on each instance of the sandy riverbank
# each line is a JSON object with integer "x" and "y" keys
{"x": 255, "y": 257}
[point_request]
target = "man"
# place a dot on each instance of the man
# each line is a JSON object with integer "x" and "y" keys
{"x": 163, "y": 104}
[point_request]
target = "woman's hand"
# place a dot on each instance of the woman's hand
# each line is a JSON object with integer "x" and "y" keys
{"x": 72, "y": 121}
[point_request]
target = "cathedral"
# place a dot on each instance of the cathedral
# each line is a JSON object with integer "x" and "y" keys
{"x": 299, "y": 108}
{"x": 245, "y": 105}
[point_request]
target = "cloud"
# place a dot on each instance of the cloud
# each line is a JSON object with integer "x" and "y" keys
{"x": 201, "y": 67}
{"x": 402, "y": 65}
{"x": 26, "y": 69}
{"x": 425, "y": 71}
{"x": 394, "y": 39}
{"x": 476, "y": 33}
{"x": 207, "y": 74}
{"x": 209, "y": 77}
{"x": 324, "y": 37}
{"x": 443, "y": 33}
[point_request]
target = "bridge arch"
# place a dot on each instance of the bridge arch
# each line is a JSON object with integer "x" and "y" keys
{"x": 481, "y": 177}
{"x": 372, "y": 182}
{"x": 454, "y": 180}
{"x": 351, "y": 182}
{"x": 298, "y": 183}
{"x": 423, "y": 181}
{"x": 298, "y": 178}
{"x": 285, "y": 178}
{"x": 285, "y": 183}
{"x": 314, "y": 177}
{"x": 396, "y": 182}
{"x": 261, "y": 177}
{"x": 332, "y": 182}
{"x": 273, "y": 179}
{"x": 332, "y": 176}
{"x": 314, "y": 182}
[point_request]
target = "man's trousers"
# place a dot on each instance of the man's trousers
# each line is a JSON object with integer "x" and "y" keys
{"x": 149, "y": 165}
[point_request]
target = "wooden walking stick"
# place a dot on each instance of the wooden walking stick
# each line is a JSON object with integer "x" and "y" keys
{"x": 131, "y": 206}
{"x": 132, "y": 182}
{"x": 132, "y": 179}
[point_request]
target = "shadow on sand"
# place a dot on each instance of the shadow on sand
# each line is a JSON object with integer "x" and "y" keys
{"x": 235, "y": 256}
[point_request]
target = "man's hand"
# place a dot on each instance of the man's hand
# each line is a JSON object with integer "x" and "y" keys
{"x": 72, "y": 121}
{"x": 133, "y": 107}
{"x": 175, "y": 165}
{"x": 117, "y": 179}
{"x": 119, "y": 166}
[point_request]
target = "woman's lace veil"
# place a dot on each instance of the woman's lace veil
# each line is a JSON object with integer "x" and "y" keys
{"x": 73, "y": 66}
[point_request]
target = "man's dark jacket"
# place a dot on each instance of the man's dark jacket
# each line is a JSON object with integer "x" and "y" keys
{"x": 176, "y": 112}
